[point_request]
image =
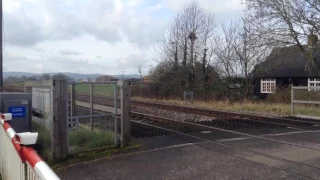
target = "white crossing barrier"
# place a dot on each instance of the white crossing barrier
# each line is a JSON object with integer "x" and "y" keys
{"x": 18, "y": 161}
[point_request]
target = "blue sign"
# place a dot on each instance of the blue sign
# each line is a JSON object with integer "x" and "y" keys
{"x": 18, "y": 111}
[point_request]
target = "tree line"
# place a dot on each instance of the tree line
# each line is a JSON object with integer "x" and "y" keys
{"x": 196, "y": 53}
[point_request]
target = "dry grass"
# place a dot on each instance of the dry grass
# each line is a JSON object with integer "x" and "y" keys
{"x": 263, "y": 108}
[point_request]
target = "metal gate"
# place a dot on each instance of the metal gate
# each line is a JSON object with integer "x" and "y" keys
{"x": 92, "y": 111}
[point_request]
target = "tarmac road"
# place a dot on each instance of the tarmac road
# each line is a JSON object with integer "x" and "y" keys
{"x": 179, "y": 159}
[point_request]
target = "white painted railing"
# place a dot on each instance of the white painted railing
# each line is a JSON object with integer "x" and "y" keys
{"x": 19, "y": 162}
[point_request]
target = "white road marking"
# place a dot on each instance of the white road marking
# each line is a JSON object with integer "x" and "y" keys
{"x": 266, "y": 135}
{"x": 295, "y": 128}
{"x": 288, "y": 133}
{"x": 233, "y": 139}
{"x": 206, "y": 132}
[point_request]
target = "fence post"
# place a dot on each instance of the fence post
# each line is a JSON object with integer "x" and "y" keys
{"x": 125, "y": 110}
{"x": 72, "y": 100}
{"x": 59, "y": 127}
{"x": 91, "y": 106}
{"x": 116, "y": 114}
{"x": 292, "y": 101}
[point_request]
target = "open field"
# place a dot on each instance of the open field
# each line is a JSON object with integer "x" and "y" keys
{"x": 246, "y": 106}
{"x": 106, "y": 90}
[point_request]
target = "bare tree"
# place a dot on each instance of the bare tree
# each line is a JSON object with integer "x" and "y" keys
{"x": 238, "y": 51}
{"x": 286, "y": 22}
{"x": 190, "y": 32}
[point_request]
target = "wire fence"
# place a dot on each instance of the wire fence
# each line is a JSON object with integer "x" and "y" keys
{"x": 93, "y": 113}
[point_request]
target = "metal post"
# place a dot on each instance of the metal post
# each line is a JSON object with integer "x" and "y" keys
{"x": 43, "y": 109}
{"x": 116, "y": 114}
{"x": 67, "y": 114}
{"x": 91, "y": 106}
{"x": 1, "y": 47}
{"x": 125, "y": 110}
{"x": 292, "y": 101}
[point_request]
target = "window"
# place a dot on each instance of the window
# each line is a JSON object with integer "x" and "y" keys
{"x": 268, "y": 85}
{"x": 313, "y": 82}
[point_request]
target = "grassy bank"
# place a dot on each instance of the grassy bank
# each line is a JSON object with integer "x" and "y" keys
{"x": 246, "y": 106}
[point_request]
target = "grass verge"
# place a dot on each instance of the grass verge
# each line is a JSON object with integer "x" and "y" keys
{"x": 43, "y": 146}
{"x": 83, "y": 139}
{"x": 92, "y": 155}
{"x": 263, "y": 108}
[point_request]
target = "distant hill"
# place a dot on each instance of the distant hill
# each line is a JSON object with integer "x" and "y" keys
{"x": 129, "y": 76}
{"x": 71, "y": 75}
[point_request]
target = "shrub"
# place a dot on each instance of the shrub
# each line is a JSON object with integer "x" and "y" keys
{"x": 282, "y": 95}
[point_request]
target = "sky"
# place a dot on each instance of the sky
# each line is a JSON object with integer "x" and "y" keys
{"x": 92, "y": 36}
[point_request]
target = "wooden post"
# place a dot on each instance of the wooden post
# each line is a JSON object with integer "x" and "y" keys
{"x": 91, "y": 106}
{"x": 292, "y": 101}
{"x": 125, "y": 110}
{"x": 59, "y": 136}
{"x": 72, "y": 101}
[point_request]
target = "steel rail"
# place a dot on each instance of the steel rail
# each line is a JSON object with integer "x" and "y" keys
{"x": 231, "y": 146}
{"x": 156, "y": 118}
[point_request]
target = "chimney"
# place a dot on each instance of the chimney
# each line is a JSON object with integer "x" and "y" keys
{"x": 312, "y": 40}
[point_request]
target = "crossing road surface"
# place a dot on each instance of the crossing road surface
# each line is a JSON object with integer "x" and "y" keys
{"x": 204, "y": 160}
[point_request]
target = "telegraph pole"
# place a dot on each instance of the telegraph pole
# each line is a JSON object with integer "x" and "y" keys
{"x": 123, "y": 75}
{"x": 1, "y": 47}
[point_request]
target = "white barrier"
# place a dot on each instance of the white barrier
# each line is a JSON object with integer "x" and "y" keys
{"x": 15, "y": 158}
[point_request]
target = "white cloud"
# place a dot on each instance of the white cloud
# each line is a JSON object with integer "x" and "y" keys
{"x": 11, "y": 5}
{"x": 215, "y": 6}
{"x": 222, "y": 9}
{"x": 13, "y": 57}
{"x": 88, "y": 36}
{"x": 69, "y": 52}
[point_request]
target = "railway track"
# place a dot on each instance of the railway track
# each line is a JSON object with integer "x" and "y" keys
{"x": 238, "y": 124}
{"x": 222, "y": 118}
{"x": 12, "y": 88}
{"x": 227, "y": 119}
{"x": 194, "y": 133}
{"x": 186, "y": 127}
